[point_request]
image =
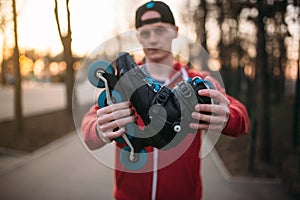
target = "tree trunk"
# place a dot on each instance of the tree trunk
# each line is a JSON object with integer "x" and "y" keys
{"x": 200, "y": 20}
{"x": 295, "y": 136}
{"x": 69, "y": 78}
{"x": 68, "y": 56}
{"x": 18, "y": 89}
{"x": 263, "y": 128}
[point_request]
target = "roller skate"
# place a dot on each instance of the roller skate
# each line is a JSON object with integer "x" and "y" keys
{"x": 165, "y": 112}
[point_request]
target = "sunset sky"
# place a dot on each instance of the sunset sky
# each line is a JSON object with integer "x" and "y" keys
{"x": 92, "y": 22}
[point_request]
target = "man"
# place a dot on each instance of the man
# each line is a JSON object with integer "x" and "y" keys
{"x": 181, "y": 178}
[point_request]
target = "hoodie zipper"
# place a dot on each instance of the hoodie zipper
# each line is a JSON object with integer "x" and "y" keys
{"x": 154, "y": 175}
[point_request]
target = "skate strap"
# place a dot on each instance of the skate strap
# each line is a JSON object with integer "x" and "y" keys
{"x": 162, "y": 95}
{"x": 184, "y": 88}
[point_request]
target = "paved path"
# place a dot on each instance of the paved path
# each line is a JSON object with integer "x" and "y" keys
{"x": 65, "y": 170}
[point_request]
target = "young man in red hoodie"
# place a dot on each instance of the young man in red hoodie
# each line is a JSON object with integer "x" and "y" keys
{"x": 180, "y": 178}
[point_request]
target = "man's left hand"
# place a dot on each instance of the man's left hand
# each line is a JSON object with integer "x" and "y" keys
{"x": 212, "y": 116}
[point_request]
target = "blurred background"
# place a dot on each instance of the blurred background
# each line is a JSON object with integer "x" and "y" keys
{"x": 254, "y": 44}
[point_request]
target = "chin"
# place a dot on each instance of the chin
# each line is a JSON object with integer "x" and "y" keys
{"x": 155, "y": 59}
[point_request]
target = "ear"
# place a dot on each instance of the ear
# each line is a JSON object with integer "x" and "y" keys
{"x": 175, "y": 32}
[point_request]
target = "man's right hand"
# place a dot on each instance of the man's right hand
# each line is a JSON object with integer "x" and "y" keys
{"x": 112, "y": 119}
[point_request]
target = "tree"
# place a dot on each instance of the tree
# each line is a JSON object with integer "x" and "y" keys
{"x": 295, "y": 137}
{"x": 200, "y": 19}
{"x": 262, "y": 78}
{"x": 263, "y": 74}
{"x": 66, "y": 41}
{"x": 18, "y": 89}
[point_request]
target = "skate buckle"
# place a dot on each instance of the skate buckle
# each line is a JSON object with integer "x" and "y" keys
{"x": 185, "y": 90}
{"x": 163, "y": 95}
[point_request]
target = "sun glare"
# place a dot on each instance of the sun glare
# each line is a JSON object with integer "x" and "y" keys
{"x": 38, "y": 67}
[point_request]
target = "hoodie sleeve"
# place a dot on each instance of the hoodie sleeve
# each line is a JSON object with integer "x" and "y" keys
{"x": 238, "y": 121}
{"x": 88, "y": 129}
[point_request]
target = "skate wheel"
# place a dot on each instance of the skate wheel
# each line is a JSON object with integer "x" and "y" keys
{"x": 96, "y": 68}
{"x": 209, "y": 84}
{"x": 102, "y": 101}
{"x": 139, "y": 161}
{"x": 197, "y": 80}
{"x": 119, "y": 140}
{"x": 129, "y": 129}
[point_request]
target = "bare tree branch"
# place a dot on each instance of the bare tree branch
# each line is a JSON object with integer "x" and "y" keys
{"x": 68, "y": 55}
{"x": 57, "y": 21}
{"x": 69, "y": 18}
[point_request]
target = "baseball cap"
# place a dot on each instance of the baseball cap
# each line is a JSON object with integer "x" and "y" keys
{"x": 163, "y": 9}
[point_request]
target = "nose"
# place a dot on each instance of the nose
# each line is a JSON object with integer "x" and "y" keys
{"x": 153, "y": 38}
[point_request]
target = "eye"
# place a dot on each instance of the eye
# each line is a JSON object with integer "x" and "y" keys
{"x": 145, "y": 33}
{"x": 159, "y": 31}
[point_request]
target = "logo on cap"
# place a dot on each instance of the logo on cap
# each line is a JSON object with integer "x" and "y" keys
{"x": 150, "y": 5}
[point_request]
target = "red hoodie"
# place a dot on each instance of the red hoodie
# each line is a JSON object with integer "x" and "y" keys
{"x": 172, "y": 174}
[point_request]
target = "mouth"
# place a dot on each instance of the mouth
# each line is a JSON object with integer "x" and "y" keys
{"x": 153, "y": 50}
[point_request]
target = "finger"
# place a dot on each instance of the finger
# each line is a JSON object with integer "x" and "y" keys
{"x": 117, "y": 123}
{"x": 209, "y": 119}
{"x": 113, "y": 107}
{"x": 114, "y": 134}
{"x": 215, "y": 94}
{"x": 114, "y": 115}
{"x": 212, "y": 127}
{"x": 221, "y": 110}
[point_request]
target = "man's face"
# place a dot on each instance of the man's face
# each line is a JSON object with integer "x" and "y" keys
{"x": 156, "y": 38}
